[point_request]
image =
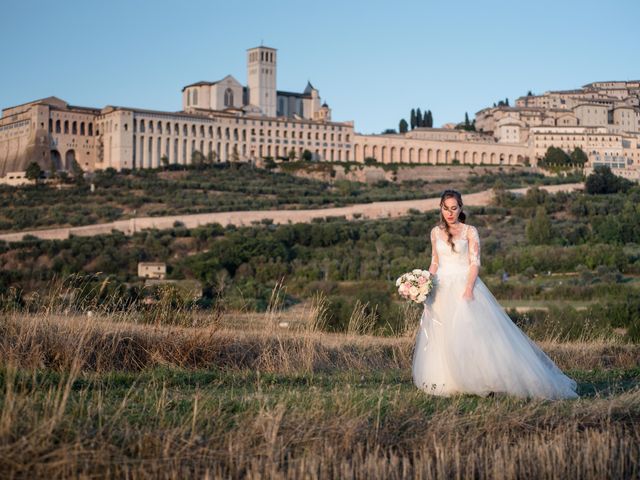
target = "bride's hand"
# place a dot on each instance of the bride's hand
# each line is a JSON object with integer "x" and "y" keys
{"x": 468, "y": 295}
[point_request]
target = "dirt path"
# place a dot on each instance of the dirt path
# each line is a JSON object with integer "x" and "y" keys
{"x": 239, "y": 218}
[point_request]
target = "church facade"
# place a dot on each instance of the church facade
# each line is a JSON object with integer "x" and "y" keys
{"x": 224, "y": 120}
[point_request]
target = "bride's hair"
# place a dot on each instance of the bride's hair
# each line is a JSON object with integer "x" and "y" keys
{"x": 443, "y": 223}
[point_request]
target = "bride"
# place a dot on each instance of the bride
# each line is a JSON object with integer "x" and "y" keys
{"x": 466, "y": 342}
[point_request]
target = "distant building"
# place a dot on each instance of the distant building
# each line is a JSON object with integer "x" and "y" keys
{"x": 154, "y": 270}
{"x": 15, "y": 179}
{"x": 224, "y": 120}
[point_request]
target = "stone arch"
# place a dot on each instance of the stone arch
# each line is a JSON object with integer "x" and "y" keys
{"x": 483, "y": 157}
{"x": 465, "y": 155}
{"x": 510, "y": 161}
{"x": 374, "y": 152}
{"x": 69, "y": 158}
{"x": 356, "y": 152}
{"x": 56, "y": 159}
{"x": 420, "y": 155}
{"x": 438, "y": 156}
{"x": 393, "y": 154}
{"x": 364, "y": 153}
{"x": 383, "y": 154}
{"x": 401, "y": 157}
{"x": 492, "y": 158}
{"x": 447, "y": 156}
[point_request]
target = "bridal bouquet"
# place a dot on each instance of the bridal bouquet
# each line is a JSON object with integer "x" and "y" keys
{"x": 415, "y": 285}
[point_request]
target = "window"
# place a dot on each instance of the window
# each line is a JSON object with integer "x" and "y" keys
{"x": 228, "y": 98}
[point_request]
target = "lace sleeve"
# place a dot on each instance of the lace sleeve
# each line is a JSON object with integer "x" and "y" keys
{"x": 434, "y": 252}
{"x": 474, "y": 246}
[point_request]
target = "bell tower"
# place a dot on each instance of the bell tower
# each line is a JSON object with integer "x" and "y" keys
{"x": 261, "y": 79}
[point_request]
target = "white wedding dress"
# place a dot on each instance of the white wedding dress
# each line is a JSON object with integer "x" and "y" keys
{"x": 472, "y": 346}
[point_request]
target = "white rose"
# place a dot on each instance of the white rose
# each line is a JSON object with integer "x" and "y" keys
{"x": 411, "y": 277}
{"x": 398, "y": 281}
{"x": 421, "y": 298}
{"x": 424, "y": 288}
{"x": 413, "y": 291}
{"x": 416, "y": 271}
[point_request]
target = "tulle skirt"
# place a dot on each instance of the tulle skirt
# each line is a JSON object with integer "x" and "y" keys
{"x": 474, "y": 347}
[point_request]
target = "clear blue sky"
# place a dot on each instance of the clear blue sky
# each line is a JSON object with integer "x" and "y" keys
{"x": 371, "y": 60}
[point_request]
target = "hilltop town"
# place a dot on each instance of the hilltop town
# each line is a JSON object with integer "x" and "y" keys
{"x": 225, "y": 121}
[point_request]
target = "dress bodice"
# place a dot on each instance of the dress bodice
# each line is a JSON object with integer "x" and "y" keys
{"x": 466, "y": 250}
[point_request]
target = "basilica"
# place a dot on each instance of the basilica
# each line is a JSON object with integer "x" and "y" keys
{"x": 224, "y": 120}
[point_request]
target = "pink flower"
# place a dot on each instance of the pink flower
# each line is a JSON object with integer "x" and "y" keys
{"x": 422, "y": 280}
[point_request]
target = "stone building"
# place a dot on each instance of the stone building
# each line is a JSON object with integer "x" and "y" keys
{"x": 224, "y": 120}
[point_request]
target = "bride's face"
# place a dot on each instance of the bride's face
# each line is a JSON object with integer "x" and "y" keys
{"x": 450, "y": 210}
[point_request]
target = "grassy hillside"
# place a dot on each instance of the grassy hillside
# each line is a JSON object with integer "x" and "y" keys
{"x": 214, "y": 188}
{"x": 105, "y": 397}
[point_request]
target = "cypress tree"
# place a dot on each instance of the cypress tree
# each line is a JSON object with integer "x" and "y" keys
{"x": 412, "y": 118}
{"x": 419, "y": 120}
{"x": 403, "y": 126}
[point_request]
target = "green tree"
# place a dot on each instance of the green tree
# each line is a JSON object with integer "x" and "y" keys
{"x": 33, "y": 172}
{"x": 403, "y": 127}
{"x": 555, "y": 157}
{"x": 292, "y": 155}
{"x": 164, "y": 160}
{"x": 412, "y": 118}
{"x": 538, "y": 229}
{"x": 603, "y": 181}
{"x": 429, "y": 122}
{"x": 307, "y": 156}
{"x": 269, "y": 163}
{"x": 419, "y": 120}
{"x": 78, "y": 173}
{"x": 197, "y": 158}
{"x": 578, "y": 157}
{"x": 389, "y": 131}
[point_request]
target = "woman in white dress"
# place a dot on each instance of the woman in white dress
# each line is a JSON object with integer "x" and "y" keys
{"x": 466, "y": 343}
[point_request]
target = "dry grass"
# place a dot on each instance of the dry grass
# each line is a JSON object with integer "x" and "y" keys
{"x": 104, "y": 397}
